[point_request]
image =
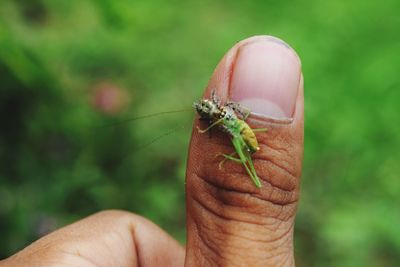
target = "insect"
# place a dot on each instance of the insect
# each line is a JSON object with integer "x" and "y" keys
{"x": 242, "y": 136}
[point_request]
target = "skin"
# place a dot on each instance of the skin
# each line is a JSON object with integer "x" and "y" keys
{"x": 230, "y": 222}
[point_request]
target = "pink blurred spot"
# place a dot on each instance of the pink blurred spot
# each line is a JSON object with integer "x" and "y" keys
{"x": 109, "y": 98}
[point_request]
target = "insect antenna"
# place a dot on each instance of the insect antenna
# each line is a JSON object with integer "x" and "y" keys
{"x": 173, "y": 130}
{"x": 146, "y": 116}
{"x": 138, "y": 149}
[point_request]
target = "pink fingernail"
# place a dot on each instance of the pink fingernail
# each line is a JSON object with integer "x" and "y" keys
{"x": 266, "y": 78}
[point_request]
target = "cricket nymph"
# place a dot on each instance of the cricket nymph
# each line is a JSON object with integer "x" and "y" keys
{"x": 213, "y": 111}
{"x": 243, "y": 137}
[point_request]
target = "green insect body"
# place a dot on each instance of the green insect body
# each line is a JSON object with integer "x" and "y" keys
{"x": 243, "y": 137}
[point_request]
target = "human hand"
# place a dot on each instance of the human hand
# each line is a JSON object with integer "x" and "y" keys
{"x": 230, "y": 222}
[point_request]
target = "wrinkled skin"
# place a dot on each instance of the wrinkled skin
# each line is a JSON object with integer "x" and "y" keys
{"x": 230, "y": 222}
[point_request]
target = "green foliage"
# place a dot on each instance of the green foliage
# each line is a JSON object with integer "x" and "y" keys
{"x": 58, "y": 165}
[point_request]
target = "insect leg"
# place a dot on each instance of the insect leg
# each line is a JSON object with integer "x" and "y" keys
{"x": 228, "y": 157}
{"x": 215, "y": 98}
{"x": 208, "y": 120}
{"x": 259, "y": 130}
{"x": 250, "y": 161}
{"x": 239, "y": 147}
{"x": 243, "y": 111}
{"x": 209, "y": 127}
{"x": 231, "y": 157}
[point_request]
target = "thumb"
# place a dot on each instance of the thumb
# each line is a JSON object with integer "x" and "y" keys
{"x": 231, "y": 222}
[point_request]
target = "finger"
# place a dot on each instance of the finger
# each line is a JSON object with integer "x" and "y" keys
{"x": 230, "y": 222}
{"x": 110, "y": 238}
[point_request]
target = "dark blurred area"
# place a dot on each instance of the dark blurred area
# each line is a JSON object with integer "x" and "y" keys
{"x": 71, "y": 70}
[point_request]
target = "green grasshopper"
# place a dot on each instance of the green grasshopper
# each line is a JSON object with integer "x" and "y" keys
{"x": 243, "y": 138}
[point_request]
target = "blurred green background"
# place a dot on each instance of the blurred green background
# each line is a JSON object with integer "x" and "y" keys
{"x": 67, "y": 68}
